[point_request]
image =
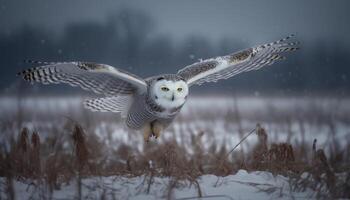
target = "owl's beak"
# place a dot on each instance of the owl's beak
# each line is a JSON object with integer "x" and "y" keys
{"x": 173, "y": 97}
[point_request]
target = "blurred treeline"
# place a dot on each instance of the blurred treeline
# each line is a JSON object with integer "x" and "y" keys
{"x": 131, "y": 40}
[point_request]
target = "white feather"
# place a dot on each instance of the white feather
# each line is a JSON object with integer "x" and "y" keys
{"x": 172, "y": 98}
{"x": 119, "y": 104}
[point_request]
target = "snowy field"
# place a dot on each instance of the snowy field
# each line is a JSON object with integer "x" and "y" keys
{"x": 242, "y": 185}
{"x": 222, "y": 119}
{"x": 213, "y": 122}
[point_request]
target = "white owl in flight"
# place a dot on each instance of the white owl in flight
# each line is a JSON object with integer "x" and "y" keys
{"x": 151, "y": 104}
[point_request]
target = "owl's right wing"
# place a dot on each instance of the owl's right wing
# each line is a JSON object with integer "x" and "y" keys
{"x": 224, "y": 67}
{"x": 117, "y": 104}
{"x": 99, "y": 78}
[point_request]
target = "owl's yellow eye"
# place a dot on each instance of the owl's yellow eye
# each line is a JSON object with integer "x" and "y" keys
{"x": 179, "y": 89}
{"x": 165, "y": 89}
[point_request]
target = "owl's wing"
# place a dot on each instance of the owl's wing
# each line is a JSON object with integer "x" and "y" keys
{"x": 214, "y": 69}
{"x": 118, "y": 104}
{"x": 99, "y": 78}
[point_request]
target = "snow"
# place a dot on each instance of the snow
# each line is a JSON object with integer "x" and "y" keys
{"x": 221, "y": 118}
{"x": 242, "y": 185}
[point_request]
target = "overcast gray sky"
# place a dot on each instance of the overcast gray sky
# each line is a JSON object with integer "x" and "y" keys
{"x": 253, "y": 21}
{"x": 183, "y": 31}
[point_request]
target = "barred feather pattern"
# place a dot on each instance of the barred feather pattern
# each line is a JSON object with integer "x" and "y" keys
{"x": 145, "y": 110}
{"x": 118, "y": 104}
{"x": 140, "y": 113}
{"x": 214, "y": 69}
{"x": 89, "y": 76}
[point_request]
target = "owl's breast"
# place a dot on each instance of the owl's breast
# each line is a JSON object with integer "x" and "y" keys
{"x": 169, "y": 112}
{"x": 163, "y": 111}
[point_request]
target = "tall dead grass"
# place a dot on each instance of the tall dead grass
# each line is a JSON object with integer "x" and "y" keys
{"x": 32, "y": 158}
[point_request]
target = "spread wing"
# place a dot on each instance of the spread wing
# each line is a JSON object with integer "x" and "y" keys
{"x": 118, "y": 104}
{"x": 214, "y": 69}
{"x": 99, "y": 78}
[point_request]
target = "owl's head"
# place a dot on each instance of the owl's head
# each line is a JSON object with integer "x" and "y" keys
{"x": 169, "y": 93}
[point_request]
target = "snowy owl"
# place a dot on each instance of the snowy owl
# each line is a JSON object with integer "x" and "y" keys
{"x": 151, "y": 104}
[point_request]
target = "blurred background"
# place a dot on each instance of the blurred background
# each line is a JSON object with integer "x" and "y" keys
{"x": 296, "y": 101}
{"x": 153, "y": 37}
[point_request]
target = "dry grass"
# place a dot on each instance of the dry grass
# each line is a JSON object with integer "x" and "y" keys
{"x": 55, "y": 160}
{"x": 26, "y": 161}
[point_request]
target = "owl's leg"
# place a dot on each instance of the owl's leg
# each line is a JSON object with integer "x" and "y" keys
{"x": 147, "y": 132}
{"x": 157, "y": 128}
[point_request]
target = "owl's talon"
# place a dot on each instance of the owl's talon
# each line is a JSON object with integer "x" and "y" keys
{"x": 157, "y": 128}
{"x": 147, "y": 133}
{"x": 146, "y": 138}
{"x": 155, "y": 135}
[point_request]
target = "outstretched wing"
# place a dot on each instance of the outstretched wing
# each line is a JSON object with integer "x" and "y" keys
{"x": 214, "y": 69}
{"x": 99, "y": 78}
{"x": 118, "y": 104}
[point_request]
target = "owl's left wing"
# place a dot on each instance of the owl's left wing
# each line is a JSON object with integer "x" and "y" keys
{"x": 214, "y": 69}
{"x": 99, "y": 78}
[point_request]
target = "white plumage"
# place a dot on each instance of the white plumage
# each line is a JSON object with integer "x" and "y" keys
{"x": 152, "y": 103}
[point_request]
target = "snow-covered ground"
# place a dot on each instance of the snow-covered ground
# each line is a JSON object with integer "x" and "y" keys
{"x": 242, "y": 185}
{"x": 223, "y": 120}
